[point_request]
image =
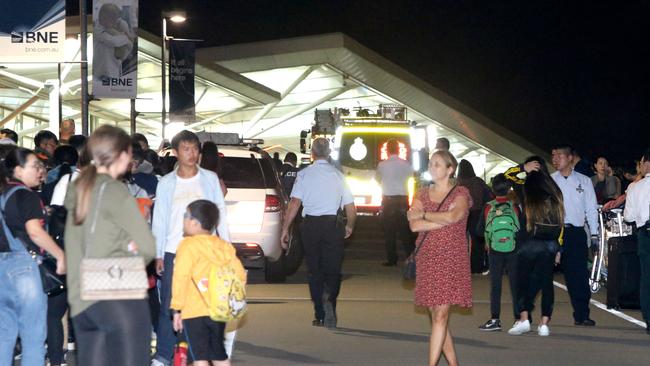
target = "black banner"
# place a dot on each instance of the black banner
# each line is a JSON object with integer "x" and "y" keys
{"x": 181, "y": 81}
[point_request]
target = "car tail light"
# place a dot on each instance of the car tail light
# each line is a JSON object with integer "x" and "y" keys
{"x": 272, "y": 203}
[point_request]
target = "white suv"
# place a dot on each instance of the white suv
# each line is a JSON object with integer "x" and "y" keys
{"x": 256, "y": 204}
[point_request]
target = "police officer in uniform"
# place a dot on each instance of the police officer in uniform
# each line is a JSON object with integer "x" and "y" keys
{"x": 322, "y": 191}
{"x": 637, "y": 209}
{"x": 393, "y": 174}
{"x": 289, "y": 172}
{"x": 579, "y": 206}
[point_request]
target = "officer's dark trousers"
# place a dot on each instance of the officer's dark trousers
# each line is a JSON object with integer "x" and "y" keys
{"x": 576, "y": 274}
{"x": 323, "y": 243}
{"x": 644, "y": 258}
{"x": 395, "y": 225}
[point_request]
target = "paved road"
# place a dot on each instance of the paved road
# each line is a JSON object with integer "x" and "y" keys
{"x": 379, "y": 325}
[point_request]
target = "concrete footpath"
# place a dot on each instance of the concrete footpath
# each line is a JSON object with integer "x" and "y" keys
{"x": 379, "y": 325}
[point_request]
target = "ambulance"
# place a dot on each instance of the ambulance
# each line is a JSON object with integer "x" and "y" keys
{"x": 359, "y": 144}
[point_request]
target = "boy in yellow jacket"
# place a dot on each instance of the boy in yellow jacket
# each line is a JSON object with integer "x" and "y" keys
{"x": 195, "y": 255}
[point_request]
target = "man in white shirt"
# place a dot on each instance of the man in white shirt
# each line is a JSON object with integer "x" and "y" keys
{"x": 322, "y": 191}
{"x": 580, "y": 206}
{"x": 393, "y": 174}
{"x": 186, "y": 184}
{"x": 637, "y": 209}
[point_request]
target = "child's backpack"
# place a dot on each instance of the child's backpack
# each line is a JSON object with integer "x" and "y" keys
{"x": 224, "y": 293}
{"x": 501, "y": 226}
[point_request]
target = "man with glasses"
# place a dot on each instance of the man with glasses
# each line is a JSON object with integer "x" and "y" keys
{"x": 637, "y": 209}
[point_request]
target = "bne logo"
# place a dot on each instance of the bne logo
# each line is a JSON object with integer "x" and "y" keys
{"x": 34, "y": 37}
{"x": 117, "y": 82}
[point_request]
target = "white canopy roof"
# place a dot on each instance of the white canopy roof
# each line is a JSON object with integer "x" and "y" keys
{"x": 269, "y": 90}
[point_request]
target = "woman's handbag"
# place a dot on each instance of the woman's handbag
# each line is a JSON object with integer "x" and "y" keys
{"x": 410, "y": 269}
{"x": 112, "y": 278}
{"x": 53, "y": 284}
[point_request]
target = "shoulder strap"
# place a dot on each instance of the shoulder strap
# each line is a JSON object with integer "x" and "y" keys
{"x": 95, "y": 214}
{"x": 445, "y": 199}
{"x": 417, "y": 248}
{"x": 15, "y": 244}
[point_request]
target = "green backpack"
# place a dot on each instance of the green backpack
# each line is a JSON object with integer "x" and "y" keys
{"x": 501, "y": 226}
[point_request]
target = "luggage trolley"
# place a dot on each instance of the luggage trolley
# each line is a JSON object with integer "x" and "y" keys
{"x": 599, "y": 267}
{"x": 610, "y": 225}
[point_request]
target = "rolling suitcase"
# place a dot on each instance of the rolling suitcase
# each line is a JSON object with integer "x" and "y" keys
{"x": 623, "y": 273}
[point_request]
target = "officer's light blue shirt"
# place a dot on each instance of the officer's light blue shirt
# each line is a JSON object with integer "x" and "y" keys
{"x": 580, "y": 203}
{"x": 322, "y": 189}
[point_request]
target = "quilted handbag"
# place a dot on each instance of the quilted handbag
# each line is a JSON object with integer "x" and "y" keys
{"x": 112, "y": 278}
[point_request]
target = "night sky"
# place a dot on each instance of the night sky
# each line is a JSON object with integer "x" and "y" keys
{"x": 550, "y": 71}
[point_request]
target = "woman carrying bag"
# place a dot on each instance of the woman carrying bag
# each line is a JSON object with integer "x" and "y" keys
{"x": 439, "y": 214}
{"x": 104, "y": 227}
{"x": 23, "y": 240}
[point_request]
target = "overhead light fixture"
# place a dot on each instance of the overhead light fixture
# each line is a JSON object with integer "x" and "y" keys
{"x": 176, "y": 16}
{"x": 178, "y": 19}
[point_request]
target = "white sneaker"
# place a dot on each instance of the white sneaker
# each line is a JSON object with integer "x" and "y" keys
{"x": 543, "y": 330}
{"x": 155, "y": 362}
{"x": 520, "y": 327}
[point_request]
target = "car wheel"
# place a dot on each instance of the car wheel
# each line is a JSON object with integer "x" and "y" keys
{"x": 274, "y": 271}
{"x": 293, "y": 258}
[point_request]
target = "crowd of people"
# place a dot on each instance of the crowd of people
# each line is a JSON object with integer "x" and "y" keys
{"x": 70, "y": 200}
{"x": 78, "y": 198}
{"x": 529, "y": 222}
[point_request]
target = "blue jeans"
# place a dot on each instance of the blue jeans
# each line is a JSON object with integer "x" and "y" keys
{"x": 165, "y": 338}
{"x": 23, "y": 309}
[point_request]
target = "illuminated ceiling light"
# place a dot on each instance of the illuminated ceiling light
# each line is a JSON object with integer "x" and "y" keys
{"x": 404, "y": 130}
{"x": 172, "y": 128}
{"x": 432, "y": 136}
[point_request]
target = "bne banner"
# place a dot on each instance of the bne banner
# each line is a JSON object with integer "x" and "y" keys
{"x": 115, "y": 48}
{"x": 32, "y": 31}
{"x": 181, "y": 81}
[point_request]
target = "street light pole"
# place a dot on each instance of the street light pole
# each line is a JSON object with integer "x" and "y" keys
{"x": 177, "y": 16}
{"x": 163, "y": 75}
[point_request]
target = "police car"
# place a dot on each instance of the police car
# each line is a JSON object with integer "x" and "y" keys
{"x": 256, "y": 203}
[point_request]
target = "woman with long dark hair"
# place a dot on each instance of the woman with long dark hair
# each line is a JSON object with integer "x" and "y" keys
{"x": 481, "y": 194}
{"x": 22, "y": 300}
{"x": 104, "y": 221}
{"x": 544, "y": 223}
{"x": 211, "y": 161}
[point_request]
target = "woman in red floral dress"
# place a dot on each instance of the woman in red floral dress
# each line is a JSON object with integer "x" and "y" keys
{"x": 443, "y": 271}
